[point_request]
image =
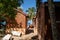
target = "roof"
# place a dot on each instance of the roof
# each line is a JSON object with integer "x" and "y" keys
{"x": 20, "y": 11}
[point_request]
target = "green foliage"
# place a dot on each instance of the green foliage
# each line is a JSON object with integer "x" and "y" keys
{"x": 6, "y": 7}
{"x": 31, "y": 12}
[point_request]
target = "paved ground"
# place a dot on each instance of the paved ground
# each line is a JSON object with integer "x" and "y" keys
{"x": 30, "y": 36}
{"x": 25, "y": 37}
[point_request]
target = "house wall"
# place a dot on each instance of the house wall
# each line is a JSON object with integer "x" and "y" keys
{"x": 20, "y": 18}
{"x": 48, "y": 35}
{"x": 15, "y": 24}
{"x": 47, "y": 20}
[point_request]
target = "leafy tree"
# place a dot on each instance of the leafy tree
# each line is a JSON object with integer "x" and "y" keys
{"x": 6, "y": 7}
{"x": 31, "y": 12}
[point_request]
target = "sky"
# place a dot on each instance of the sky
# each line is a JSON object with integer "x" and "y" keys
{"x": 30, "y": 3}
{"x": 27, "y": 4}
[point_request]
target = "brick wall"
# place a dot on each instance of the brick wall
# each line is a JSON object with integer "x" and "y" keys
{"x": 19, "y": 24}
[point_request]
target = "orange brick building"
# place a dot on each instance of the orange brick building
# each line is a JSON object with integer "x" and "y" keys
{"x": 20, "y": 22}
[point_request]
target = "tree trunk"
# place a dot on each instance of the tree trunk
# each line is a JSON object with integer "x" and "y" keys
{"x": 40, "y": 19}
{"x": 53, "y": 19}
